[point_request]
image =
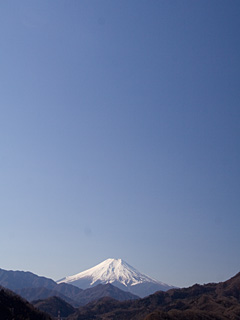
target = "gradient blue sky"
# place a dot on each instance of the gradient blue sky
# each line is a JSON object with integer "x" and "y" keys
{"x": 120, "y": 137}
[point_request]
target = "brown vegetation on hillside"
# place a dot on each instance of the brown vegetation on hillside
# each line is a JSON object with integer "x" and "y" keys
{"x": 211, "y": 301}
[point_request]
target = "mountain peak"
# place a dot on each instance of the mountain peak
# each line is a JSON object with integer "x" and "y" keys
{"x": 113, "y": 260}
{"x": 117, "y": 272}
{"x": 110, "y": 271}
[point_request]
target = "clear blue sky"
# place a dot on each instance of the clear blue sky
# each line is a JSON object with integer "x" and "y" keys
{"x": 120, "y": 137}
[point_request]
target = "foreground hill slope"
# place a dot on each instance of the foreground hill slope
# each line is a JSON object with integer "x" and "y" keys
{"x": 211, "y": 301}
{"x": 14, "y": 307}
{"x": 54, "y": 306}
{"x": 118, "y": 273}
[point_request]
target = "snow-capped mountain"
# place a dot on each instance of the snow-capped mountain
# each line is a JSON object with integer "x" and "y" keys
{"x": 118, "y": 273}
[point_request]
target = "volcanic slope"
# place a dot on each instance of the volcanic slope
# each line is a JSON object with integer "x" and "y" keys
{"x": 118, "y": 273}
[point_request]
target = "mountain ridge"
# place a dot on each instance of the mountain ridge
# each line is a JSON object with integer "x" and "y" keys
{"x": 212, "y": 301}
{"x": 32, "y": 287}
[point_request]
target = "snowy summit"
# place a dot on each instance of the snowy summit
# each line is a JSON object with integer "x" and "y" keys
{"x": 120, "y": 274}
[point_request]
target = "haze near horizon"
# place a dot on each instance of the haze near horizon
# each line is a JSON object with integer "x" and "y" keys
{"x": 119, "y": 134}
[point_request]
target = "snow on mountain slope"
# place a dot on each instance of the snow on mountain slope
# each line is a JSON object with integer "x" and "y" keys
{"x": 118, "y": 273}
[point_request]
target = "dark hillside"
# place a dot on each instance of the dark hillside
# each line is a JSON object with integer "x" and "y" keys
{"x": 53, "y": 305}
{"x": 211, "y": 301}
{"x": 14, "y": 307}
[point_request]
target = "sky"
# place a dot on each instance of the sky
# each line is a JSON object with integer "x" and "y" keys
{"x": 120, "y": 137}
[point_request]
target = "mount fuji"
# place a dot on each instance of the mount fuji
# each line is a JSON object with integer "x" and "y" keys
{"x": 120, "y": 274}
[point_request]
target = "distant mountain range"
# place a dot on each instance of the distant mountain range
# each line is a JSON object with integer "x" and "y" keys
{"x": 20, "y": 279}
{"x": 32, "y": 287}
{"x": 213, "y": 301}
{"x": 120, "y": 274}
